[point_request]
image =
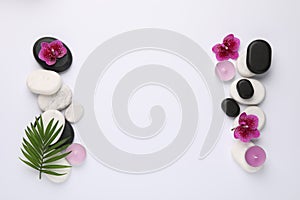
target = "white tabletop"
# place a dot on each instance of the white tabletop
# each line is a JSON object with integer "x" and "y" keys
{"x": 84, "y": 25}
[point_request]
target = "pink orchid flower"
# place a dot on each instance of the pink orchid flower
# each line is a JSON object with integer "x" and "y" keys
{"x": 228, "y": 49}
{"x": 247, "y": 128}
{"x": 51, "y": 51}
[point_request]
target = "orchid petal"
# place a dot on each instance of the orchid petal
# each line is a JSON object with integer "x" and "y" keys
{"x": 232, "y": 42}
{"x": 252, "y": 122}
{"x": 228, "y": 38}
{"x": 55, "y": 44}
{"x": 51, "y": 62}
{"x": 234, "y": 55}
{"x": 44, "y": 45}
{"x": 242, "y": 118}
{"x": 234, "y": 46}
{"x": 245, "y": 139}
{"x": 236, "y": 133}
{"x": 44, "y": 54}
{"x": 217, "y": 48}
{"x": 254, "y": 133}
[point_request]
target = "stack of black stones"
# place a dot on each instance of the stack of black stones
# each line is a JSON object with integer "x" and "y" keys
{"x": 255, "y": 61}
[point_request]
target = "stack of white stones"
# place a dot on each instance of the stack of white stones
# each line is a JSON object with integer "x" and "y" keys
{"x": 53, "y": 97}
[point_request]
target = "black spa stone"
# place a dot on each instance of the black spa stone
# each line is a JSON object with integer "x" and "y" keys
{"x": 68, "y": 132}
{"x": 245, "y": 88}
{"x": 259, "y": 55}
{"x": 62, "y": 64}
{"x": 230, "y": 107}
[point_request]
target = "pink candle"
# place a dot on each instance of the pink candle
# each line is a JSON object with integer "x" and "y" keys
{"x": 255, "y": 156}
{"x": 225, "y": 70}
{"x": 77, "y": 155}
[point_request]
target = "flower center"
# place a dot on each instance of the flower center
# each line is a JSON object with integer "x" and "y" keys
{"x": 245, "y": 126}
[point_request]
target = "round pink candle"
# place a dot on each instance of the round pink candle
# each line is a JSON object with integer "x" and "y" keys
{"x": 255, "y": 156}
{"x": 225, "y": 70}
{"x": 77, "y": 155}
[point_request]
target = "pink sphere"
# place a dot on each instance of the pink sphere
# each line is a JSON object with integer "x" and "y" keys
{"x": 77, "y": 155}
{"x": 225, "y": 70}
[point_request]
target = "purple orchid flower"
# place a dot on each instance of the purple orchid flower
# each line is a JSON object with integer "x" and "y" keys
{"x": 228, "y": 49}
{"x": 50, "y": 52}
{"x": 247, "y": 128}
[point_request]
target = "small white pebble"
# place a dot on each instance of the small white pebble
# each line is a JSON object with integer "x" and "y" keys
{"x": 74, "y": 112}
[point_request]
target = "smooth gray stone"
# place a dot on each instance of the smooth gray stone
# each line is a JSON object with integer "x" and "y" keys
{"x": 74, "y": 112}
{"x": 57, "y": 101}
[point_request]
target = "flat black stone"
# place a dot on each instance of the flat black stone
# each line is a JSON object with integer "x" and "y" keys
{"x": 62, "y": 64}
{"x": 259, "y": 55}
{"x": 230, "y": 107}
{"x": 245, "y": 88}
{"x": 68, "y": 132}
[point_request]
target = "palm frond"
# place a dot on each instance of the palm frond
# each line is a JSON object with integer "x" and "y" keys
{"x": 37, "y": 149}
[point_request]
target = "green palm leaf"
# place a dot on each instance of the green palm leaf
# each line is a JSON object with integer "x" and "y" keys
{"x": 37, "y": 148}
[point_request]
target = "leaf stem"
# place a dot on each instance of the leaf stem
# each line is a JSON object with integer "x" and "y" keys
{"x": 43, "y": 157}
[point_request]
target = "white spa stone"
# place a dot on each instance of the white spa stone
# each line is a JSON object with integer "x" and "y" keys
{"x": 74, "y": 112}
{"x": 253, "y": 110}
{"x": 57, "y": 101}
{"x": 258, "y": 96}
{"x": 241, "y": 65}
{"x": 44, "y": 82}
{"x": 238, "y": 152}
{"x": 66, "y": 171}
{"x": 58, "y": 116}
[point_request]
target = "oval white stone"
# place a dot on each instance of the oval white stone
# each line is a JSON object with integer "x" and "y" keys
{"x": 253, "y": 110}
{"x": 58, "y": 116}
{"x": 258, "y": 96}
{"x": 66, "y": 171}
{"x": 241, "y": 64}
{"x": 74, "y": 112}
{"x": 238, "y": 152}
{"x": 57, "y": 101}
{"x": 44, "y": 82}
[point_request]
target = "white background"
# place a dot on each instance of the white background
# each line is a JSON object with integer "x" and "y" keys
{"x": 83, "y": 25}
